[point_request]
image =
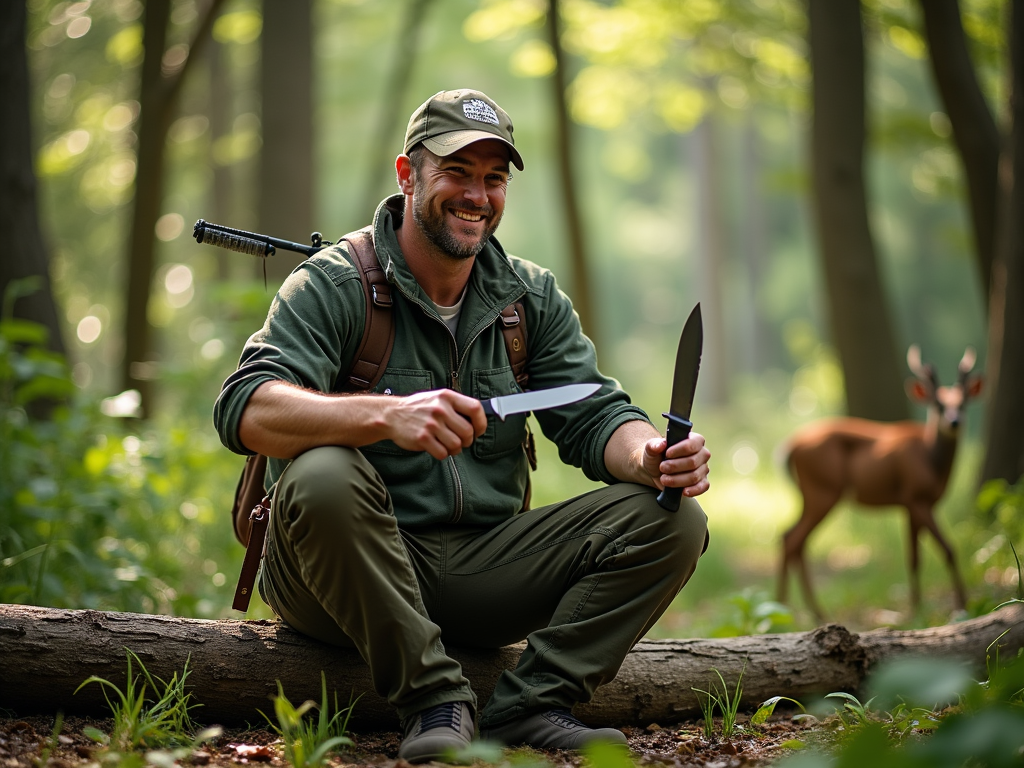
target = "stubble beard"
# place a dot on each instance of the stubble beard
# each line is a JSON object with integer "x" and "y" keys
{"x": 437, "y": 231}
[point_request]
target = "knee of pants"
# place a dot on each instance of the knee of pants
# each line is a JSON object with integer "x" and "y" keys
{"x": 684, "y": 531}
{"x": 333, "y": 489}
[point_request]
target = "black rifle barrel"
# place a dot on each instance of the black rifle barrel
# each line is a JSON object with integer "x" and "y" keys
{"x": 251, "y": 243}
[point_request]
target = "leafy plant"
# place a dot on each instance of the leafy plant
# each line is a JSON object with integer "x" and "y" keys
{"x": 754, "y": 614}
{"x": 767, "y": 709}
{"x": 985, "y": 726}
{"x": 141, "y": 722}
{"x": 308, "y": 742}
{"x": 852, "y": 714}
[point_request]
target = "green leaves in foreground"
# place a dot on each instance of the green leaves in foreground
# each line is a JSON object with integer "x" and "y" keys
{"x": 984, "y": 726}
{"x": 307, "y": 741}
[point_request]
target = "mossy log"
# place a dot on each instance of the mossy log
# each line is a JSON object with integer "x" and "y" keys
{"x": 234, "y": 666}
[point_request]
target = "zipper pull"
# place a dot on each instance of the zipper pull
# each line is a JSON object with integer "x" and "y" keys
{"x": 455, "y": 381}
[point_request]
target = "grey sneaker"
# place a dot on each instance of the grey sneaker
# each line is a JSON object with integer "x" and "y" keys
{"x": 437, "y": 732}
{"x": 554, "y": 729}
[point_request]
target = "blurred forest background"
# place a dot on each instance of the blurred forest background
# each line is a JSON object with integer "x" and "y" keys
{"x": 833, "y": 181}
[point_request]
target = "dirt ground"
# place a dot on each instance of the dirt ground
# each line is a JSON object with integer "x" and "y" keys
{"x": 26, "y": 742}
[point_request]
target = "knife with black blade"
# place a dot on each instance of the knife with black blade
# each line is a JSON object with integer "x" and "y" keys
{"x": 684, "y": 384}
{"x": 537, "y": 400}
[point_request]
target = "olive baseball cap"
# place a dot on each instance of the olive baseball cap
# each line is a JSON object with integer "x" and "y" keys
{"x": 451, "y": 120}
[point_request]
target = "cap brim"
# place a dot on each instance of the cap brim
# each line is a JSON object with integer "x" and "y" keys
{"x": 446, "y": 143}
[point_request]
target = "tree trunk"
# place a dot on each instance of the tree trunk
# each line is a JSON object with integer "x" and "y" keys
{"x": 582, "y": 288}
{"x": 760, "y": 339}
{"x": 861, "y": 323}
{"x": 286, "y": 180}
{"x": 711, "y": 258}
{"x": 381, "y": 171}
{"x": 46, "y": 653}
{"x": 1004, "y": 449}
{"x": 158, "y": 97}
{"x": 24, "y": 254}
{"x": 974, "y": 128}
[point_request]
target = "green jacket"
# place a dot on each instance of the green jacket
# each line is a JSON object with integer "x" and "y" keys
{"x": 314, "y": 328}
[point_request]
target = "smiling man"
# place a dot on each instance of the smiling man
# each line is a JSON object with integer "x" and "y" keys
{"x": 400, "y": 517}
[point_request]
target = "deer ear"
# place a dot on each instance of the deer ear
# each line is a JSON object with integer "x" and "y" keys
{"x": 974, "y": 386}
{"x": 916, "y": 391}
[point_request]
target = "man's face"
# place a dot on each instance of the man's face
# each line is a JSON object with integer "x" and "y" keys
{"x": 458, "y": 200}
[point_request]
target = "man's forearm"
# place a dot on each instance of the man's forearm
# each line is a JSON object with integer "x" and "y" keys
{"x": 624, "y": 452}
{"x": 282, "y": 420}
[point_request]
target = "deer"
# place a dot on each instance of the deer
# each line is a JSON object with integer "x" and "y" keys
{"x": 875, "y": 463}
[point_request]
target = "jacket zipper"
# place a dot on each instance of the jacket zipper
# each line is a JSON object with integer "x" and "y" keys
{"x": 454, "y": 382}
{"x": 454, "y": 364}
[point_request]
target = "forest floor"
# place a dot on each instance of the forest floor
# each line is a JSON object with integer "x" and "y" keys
{"x": 29, "y": 743}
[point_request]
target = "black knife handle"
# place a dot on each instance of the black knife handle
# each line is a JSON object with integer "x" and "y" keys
{"x": 678, "y": 430}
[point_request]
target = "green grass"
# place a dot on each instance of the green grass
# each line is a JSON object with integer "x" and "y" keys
{"x": 307, "y": 741}
{"x": 152, "y": 720}
{"x": 718, "y": 696}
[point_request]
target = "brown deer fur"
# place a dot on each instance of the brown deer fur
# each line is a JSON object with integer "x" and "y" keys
{"x": 877, "y": 464}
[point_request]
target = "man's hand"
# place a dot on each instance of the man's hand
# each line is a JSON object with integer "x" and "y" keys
{"x": 636, "y": 453}
{"x": 441, "y": 422}
{"x": 684, "y": 465}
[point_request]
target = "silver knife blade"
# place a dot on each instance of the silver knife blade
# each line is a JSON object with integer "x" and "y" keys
{"x": 684, "y": 381}
{"x": 524, "y": 402}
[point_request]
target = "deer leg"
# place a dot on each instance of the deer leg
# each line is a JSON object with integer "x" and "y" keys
{"x": 816, "y": 507}
{"x": 959, "y": 591}
{"x": 914, "y": 562}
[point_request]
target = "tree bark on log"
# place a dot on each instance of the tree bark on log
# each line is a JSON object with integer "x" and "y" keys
{"x": 46, "y": 653}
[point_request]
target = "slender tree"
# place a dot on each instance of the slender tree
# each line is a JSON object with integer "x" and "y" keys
{"x": 974, "y": 128}
{"x": 24, "y": 251}
{"x": 860, "y": 318}
{"x": 286, "y": 183}
{"x": 711, "y": 258}
{"x": 1004, "y": 449}
{"x": 158, "y": 97}
{"x": 380, "y": 172}
{"x": 582, "y": 293}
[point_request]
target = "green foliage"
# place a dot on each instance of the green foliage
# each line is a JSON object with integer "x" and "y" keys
{"x": 985, "y": 727}
{"x": 307, "y": 742}
{"x": 603, "y": 754}
{"x": 755, "y": 614}
{"x": 767, "y": 709}
{"x": 95, "y": 515}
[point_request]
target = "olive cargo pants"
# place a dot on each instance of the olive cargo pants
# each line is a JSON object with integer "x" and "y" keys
{"x": 582, "y": 581}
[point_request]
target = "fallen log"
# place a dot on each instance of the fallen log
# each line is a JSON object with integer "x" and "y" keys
{"x": 234, "y": 666}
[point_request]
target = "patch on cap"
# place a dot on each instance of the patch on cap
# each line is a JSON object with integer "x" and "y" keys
{"x": 481, "y": 111}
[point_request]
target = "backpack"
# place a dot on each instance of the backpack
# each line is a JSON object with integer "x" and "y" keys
{"x": 250, "y": 514}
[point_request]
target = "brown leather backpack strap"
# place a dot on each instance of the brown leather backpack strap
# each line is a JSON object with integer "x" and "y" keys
{"x": 371, "y": 358}
{"x": 251, "y": 516}
{"x": 248, "y": 494}
{"x": 259, "y": 521}
{"x": 513, "y": 329}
